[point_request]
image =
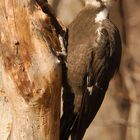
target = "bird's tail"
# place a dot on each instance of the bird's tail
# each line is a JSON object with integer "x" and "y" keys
{"x": 89, "y": 108}
{"x": 66, "y": 126}
{"x": 68, "y": 118}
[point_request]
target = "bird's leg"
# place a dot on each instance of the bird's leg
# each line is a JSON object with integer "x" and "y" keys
{"x": 60, "y": 30}
{"x": 62, "y": 44}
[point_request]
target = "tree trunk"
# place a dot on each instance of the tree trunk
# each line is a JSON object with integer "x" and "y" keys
{"x": 30, "y": 74}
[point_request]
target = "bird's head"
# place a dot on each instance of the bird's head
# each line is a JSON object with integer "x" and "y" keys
{"x": 99, "y": 3}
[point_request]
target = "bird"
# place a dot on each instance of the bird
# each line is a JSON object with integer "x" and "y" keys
{"x": 93, "y": 58}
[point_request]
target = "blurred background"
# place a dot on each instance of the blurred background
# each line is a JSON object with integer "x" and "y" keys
{"x": 119, "y": 115}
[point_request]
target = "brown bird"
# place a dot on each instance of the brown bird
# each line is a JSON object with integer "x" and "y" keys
{"x": 93, "y": 57}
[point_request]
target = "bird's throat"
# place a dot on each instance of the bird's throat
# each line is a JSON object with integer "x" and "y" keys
{"x": 101, "y": 15}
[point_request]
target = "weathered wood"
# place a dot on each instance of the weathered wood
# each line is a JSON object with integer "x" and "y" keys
{"x": 30, "y": 74}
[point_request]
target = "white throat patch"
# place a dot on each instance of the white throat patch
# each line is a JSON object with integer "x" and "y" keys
{"x": 102, "y": 15}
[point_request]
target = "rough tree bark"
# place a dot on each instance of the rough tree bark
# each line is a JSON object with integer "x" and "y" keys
{"x": 30, "y": 74}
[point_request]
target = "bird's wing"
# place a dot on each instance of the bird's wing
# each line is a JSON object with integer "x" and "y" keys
{"x": 100, "y": 61}
{"x": 97, "y": 71}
